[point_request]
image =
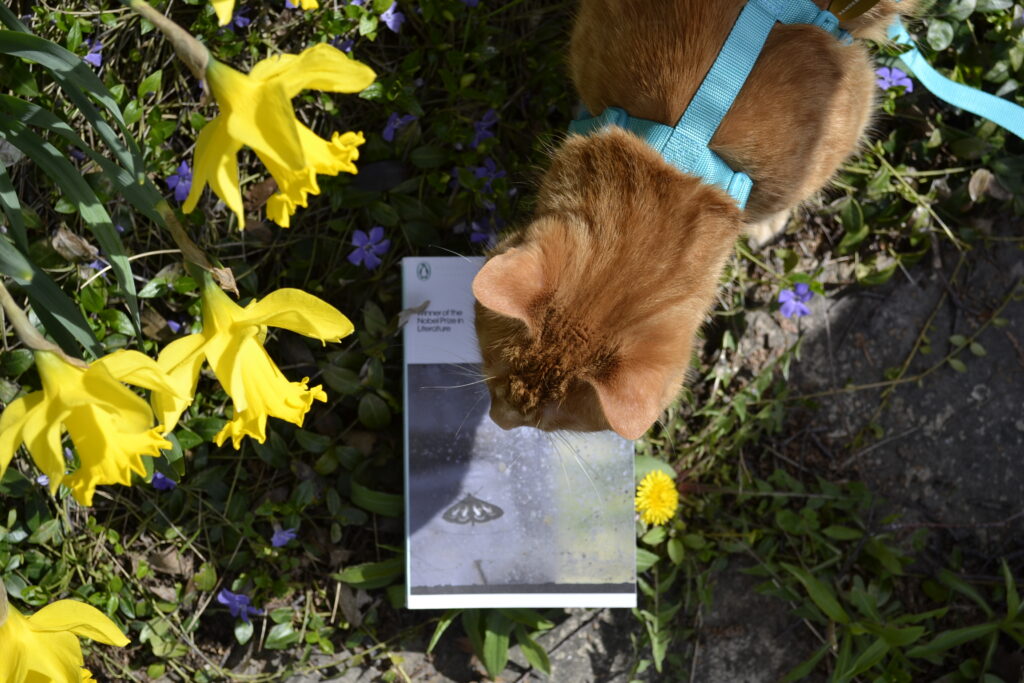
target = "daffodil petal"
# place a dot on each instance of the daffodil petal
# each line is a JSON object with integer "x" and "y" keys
{"x": 98, "y": 387}
{"x": 79, "y": 618}
{"x": 42, "y": 439}
{"x": 301, "y": 312}
{"x": 257, "y": 113}
{"x": 224, "y": 10}
{"x": 44, "y": 657}
{"x": 12, "y": 424}
{"x": 132, "y": 367}
{"x": 280, "y": 209}
{"x": 258, "y": 389}
{"x": 308, "y": 4}
{"x": 321, "y": 67}
{"x": 108, "y": 454}
{"x": 216, "y": 163}
{"x": 330, "y": 157}
{"x": 181, "y": 360}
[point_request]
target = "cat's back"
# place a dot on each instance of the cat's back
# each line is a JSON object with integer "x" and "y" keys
{"x": 801, "y": 111}
{"x": 651, "y": 53}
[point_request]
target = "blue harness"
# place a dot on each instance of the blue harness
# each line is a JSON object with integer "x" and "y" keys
{"x": 685, "y": 145}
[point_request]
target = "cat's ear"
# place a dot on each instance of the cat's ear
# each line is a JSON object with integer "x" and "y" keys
{"x": 510, "y": 283}
{"x": 631, "y": 400}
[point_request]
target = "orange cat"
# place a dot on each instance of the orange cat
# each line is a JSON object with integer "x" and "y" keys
{"x": 586, "y": 316}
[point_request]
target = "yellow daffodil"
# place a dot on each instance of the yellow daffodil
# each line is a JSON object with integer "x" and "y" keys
{"x": 44, "y": 648}
{"x": 110, "y": 426}
{"x": 232, "y": 342}
{"x": 256, "y": 110}
{"x": 225, "y": 9}
{"x": 657, "y": 498}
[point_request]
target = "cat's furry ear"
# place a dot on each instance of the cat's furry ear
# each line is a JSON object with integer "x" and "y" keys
{"x": 510, "y": 283}
{"x": 631, "y": 400}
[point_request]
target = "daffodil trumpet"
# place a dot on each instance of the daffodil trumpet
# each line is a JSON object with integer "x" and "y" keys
{"x": 232, "y": 343}
{"x": 45, "y": 647}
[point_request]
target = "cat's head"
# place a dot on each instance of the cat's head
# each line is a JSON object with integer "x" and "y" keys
{"x": 586, "y": 318}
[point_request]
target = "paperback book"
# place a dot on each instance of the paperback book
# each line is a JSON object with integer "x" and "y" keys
{"x": 496, "y": 518}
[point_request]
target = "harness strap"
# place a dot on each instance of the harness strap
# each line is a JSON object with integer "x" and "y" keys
{"x": 1001, "y": 111}
{"x": 685, "y": 145}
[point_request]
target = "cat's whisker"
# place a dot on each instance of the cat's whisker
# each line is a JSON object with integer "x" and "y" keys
{"x": 587, "y": 471}
{"x": 468, "y": 413}
{"x": 461, "y": 386}
{"x": 453, "y": 253}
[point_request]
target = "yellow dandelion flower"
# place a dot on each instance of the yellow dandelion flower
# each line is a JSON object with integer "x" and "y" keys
{"x": 232, "y": 342}
{"x": 44, "y": 646}
{"x": 256, "y": 111}
{"x": 657, "y": 498}
{"x": 110, "y": 426}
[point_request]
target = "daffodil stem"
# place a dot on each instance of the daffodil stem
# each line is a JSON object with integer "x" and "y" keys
{"x": 193, "y": 254}
{"x": 191, "y": 51}
{"x": 3, "y": 603}
{"x": 27, "y": 332}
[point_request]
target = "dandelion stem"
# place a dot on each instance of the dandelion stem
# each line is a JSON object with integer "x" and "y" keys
{"x": 27, "y": 332}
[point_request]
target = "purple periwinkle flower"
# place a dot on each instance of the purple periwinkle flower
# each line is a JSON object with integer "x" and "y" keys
{"x": 368, "y": 248}
{"x": 470, "y": 3}
{"x": 357, "y": 3}
{"x": 892, "y": 77}
{"x": 239, "y": 20}
{"x": 481, "y": 232}
{"x": 290, "y": 5}
{"x": 283, "y": 537}
{"x": 76, "y": 154}
{"x": 396, "y": 123}
{"x": 489, "y": 172}
{"x": 344, "y": 44}
{"x": 163, "y": 483}
{"x": 180, "y": 181}
{"x": 392, "y": 18}
{"x": 482, "y": 128}
{"x": 174, "y": 326}
{"x": 237, "y": 604}
{"x": 43, "y": 480}
{"x": 95, "y": 54}
{"x": 794, "y": 301}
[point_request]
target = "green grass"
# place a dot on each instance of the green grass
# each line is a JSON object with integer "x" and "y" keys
{"x": 154, "y": 561}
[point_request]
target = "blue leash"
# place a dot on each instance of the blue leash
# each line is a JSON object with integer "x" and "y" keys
{"x": 685, "y": 145}
{"x": 1002, "y": 112}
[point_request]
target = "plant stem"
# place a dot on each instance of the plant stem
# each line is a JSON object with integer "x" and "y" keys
{"x": 27, "y": 332}
{"x": 193, "y": 53}
{"x": 191, "y": 251}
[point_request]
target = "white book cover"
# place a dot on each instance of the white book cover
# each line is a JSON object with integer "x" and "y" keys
{"x": 496, "y": 518}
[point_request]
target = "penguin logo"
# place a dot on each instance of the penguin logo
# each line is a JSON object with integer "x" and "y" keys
{"x": 423, "y": 271}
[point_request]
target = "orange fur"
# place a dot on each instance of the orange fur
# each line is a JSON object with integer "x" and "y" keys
{"x": 586, "y": 316}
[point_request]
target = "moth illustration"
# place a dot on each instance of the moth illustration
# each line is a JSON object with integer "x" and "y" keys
{"x": 472, "y": 510}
